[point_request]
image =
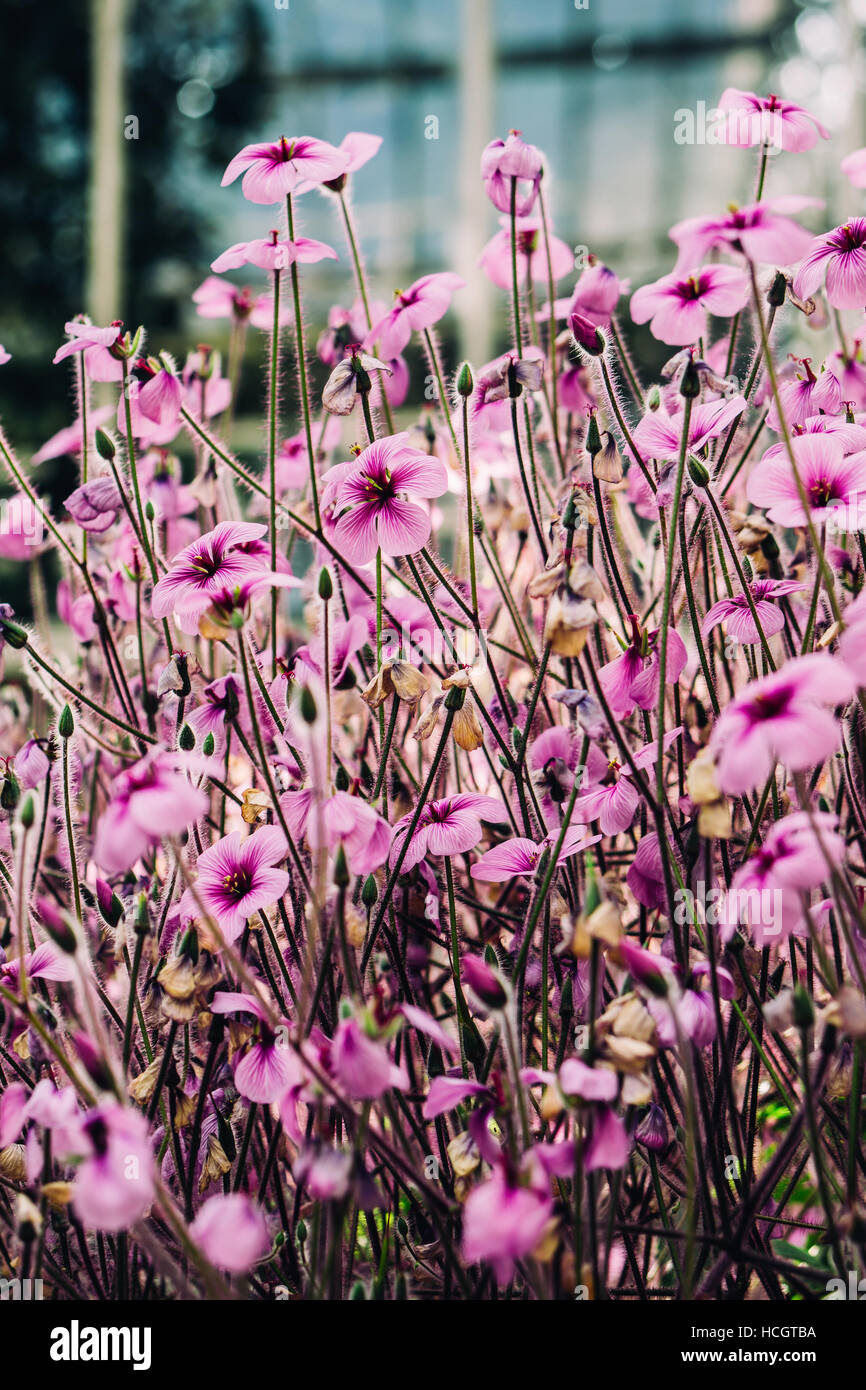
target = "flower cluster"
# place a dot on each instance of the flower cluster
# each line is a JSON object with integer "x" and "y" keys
{"x": 432, "y": 851}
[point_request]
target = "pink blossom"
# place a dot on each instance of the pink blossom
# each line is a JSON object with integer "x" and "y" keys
{"x": 373, "y": 499}
{"x": 449, "y": 826}
{"x": 842, "y": 255}
{"x": 803, "y": 397}
{"x": 149, "y": 800}
{"x": 423, "y": 304}
{"x": 271, "y": 253}
{"x": 503, "y": 1223}
{"x": 359, "y": 149}
{"x": 95, "y": 344}
{"x": 614, "y": 806}
{"x": 114, "y": 1185}
{"x": 503, "y": 161}
{"x": 760, "y": 231}
{"x": 218, "y": 560}
{"x": 659, "y": 435}
{"x": 271, "y": 171}
{"x": 829, "y": 478}
{"x": 784, "y": 716}
{"x": 608, "y": 1145}
{"x": 341, "y": 819}
{"x": 268, "y": 1068}
{"x": 237, "y": 878}
{"x": 361, "y": 1065}
{"x": 853, "y": 166}
{"x": 231, "y": 1231}
{"x": 767, "y": 890}
{"x": 677, "y": 305}
{"x": 22, "y": 529}
{"x": 220, "y": 299}
{"x": 645, "y": 876}
{"x": 69, "y": 440}
{"x": 770, "y": 121}
{"x": 737, "y": 615}
{"x": 589, "y": 1083}
{"x": 521, "y": 856}
{"x": 633, "y": 678}
{"x": 495, "y": 259}
{"x": 31, "y": 764}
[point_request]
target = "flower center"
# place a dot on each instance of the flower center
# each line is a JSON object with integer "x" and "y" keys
{"x": 237, "y": 884}
{"x": 770, "y": 704}
{"x": 820, "y": 492}
{"x": 380, "y": 489}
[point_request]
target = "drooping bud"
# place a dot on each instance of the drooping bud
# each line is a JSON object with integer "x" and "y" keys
{"x": 690, "y": 381}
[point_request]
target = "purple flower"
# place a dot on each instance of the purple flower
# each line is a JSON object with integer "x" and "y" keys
{"x": 502, "y": 161}
{"x": 785, "y": 717}
{"x": 449, "y": 826}
{"x": 677, "y": 305}
{"x": 770, "y": 121}
{"x": 423, "y": 304}
{"x": 271, "y": 171}
{"x": 237, "y": 878}
{"x": 370, "y": 511}
{"x": 842, "y": 254}
{"x": 230, "y": 1229}
{"x": 759, "y": 231}
{"x": 202, "y": 571}
{"x": 150, "y": 800}
{"x": 737, "y": 614}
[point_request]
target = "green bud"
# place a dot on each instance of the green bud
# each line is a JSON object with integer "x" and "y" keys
{"x": 341, "y": 868}
{"x": 455, "y": 698}
{"x": 308, "y": 705}
{"x": 341, "y": 779}
{"x": 14, "y": 634}
{"x": 150, "y": 510}
{"x": 804, "y": 1013}
{"x": 358, "y": 1294}
{"x": 66, "y": 724}
{"x": 699, "y": 475}
{"x": 566, "y": 1000}
{"x": 301, "y": 1231}
{"x": 208, "y": 745}
{"x": 186, "y": 739}
{"x": 653, "y": 399}
{"x": 777, "y": 291}
{"x": 11, "y": 793}
{"x": 403, "y": 1226}
{"x": 593, "y": 438}
{"x": 140, "y": 919}
{"x": 465, "y": 383}
{"x": 690, "y": 381}
{"x": 237, "y": 620}
{"x": 370, "y": 892}
{"x": 105, "y": 445}
{"x": 770, "y": 548}
{"x": 326, "y": 585}
{"x": 28, "y": 812}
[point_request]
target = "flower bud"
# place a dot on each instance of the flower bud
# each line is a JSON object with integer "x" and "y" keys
{"x": 652, "y": 1132}
{"x": 698, "y": 473}
{"x": 208, "y": 745}
{"x": 690, "y": 381}
{"x": 13, "y": 633}
{"x": 370, "y": 892}
{"x": 105, "y": 446}
{"x": 307, "y": 705}
{"x": 487, "y": 986}
{"x": 804, "y": 1012}
{"x": 186, "y": 739}
{"x": 326, "y": 585}
{"x": 66, "y": 723}
{"x": 464, "y": 381}
{"x": 28, "y": 812}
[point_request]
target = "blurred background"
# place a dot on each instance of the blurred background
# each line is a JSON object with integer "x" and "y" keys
{"x": 118, "y": 117}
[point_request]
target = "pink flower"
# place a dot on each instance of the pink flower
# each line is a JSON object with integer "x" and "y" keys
{"x": 645, "y": 877}
{"x": 495, "y": 259}
{"x": 95, "y": 344}
{"x": 853, "y": 166}
{"x": 842, "y": 254}
{"x": 271, "y": 171}
{"x": 633, "y": 678}
{"x": 677, "y": 305}
{"x": 217, "y": 561}
{"x": 658, "y": 434}
{"x": 767, "y": 890}
{"x": 4, "y": 356}
{"x": 553, "y": 760}
{"x": 237, "y": 878}
{"x": 268, "y": 1068}
{"x": 770, "y": 121}
{"x": 149, "y": 800}
{"x": 231, "y": 1231}
{"x": 160, "y": 399}
{"x": 219, "y": 299}
{"x": 737, "y": 614}
{"x": 423, "y": 304}
{"x": 361, "y": 1065}
{"x": 359, "y": 149}
{"x": 449, "y": 826}
{"x": 608, "y": 1145}
{"x": 830, "y": 480}
{"x": 271, "y": 253}
{"x": 31, "y": 764}
{"x": 589, "y": 1083}
{"x": 96, "y": 504}
{"x": 595, "y": 296}
{"x": 22, "y": 529}
{"x": 114, "y": 1185}
{"x": 760, "y": 232}
{"x": 785, "y": 717}
{"x": 502, "y": 161}
{"x": 614, "y": 806}
{"x": 803, "y": 397}
{"x": 340, "y": 819}
{"x": 521, "y": 856}
{"x": 446, "y": 1092}
{"x": 366, "y": 495}
{"x": 852, "y": 643}
{"x": 503, "y": 1223}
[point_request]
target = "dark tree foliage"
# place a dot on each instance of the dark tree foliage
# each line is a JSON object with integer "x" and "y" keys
{"x": 44, "y": 138}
